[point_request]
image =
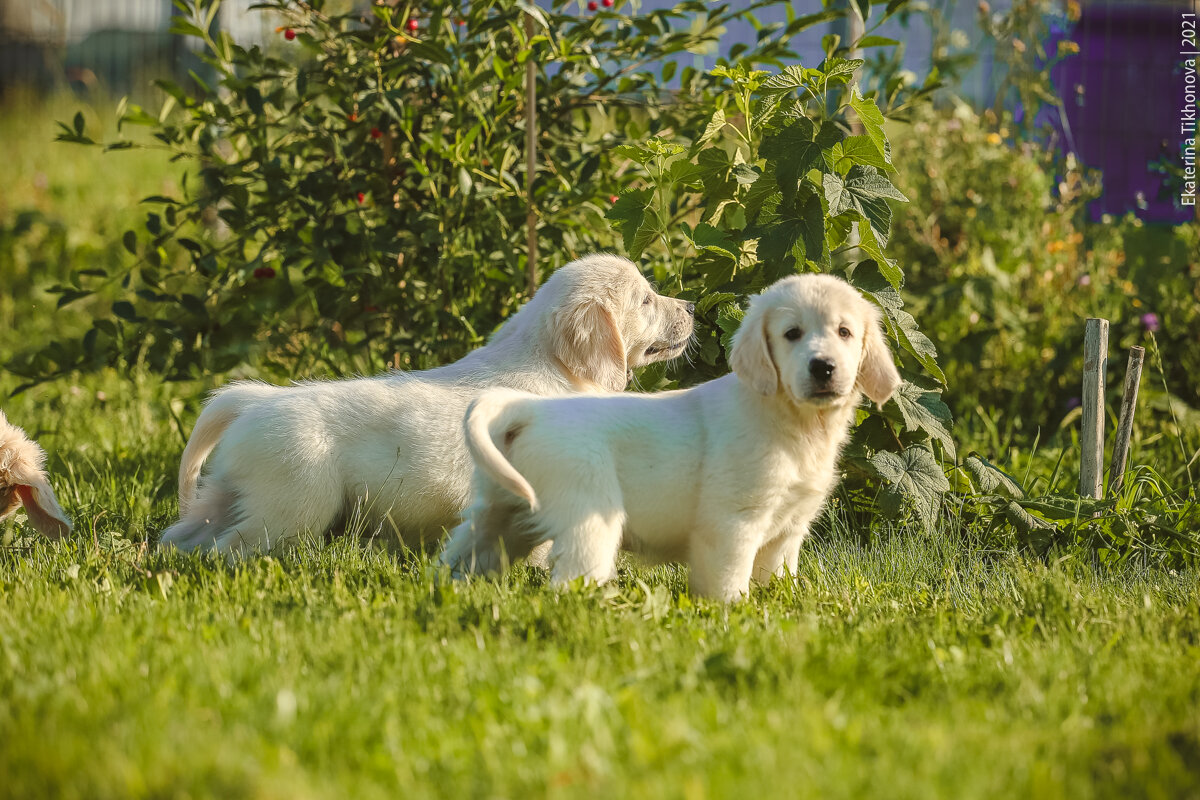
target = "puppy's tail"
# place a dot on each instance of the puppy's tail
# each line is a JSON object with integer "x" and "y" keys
{"x": 495, "y": 411}
{"x": 221, "y": 409}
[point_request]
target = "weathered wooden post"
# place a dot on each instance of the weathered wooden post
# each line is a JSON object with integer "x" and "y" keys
{"x": 1120, "y": 453}
{"x": 1095, "y": 363}
{"x": 530, "y": 157}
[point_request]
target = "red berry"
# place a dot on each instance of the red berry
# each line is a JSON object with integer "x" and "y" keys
{"x": 413, "y": 25}
{"x": 612, "y": 198}
{"x": 376, "y": 133}
{"x": 352, "y": 117}
{"x": 592, "y": 6}
{"x": 263, "y": 273}
{"x": 361, "y": 197}
{"x": 289, "y": 34}
{"x": 462, "y": 23}
{"x": 607, "y": 3}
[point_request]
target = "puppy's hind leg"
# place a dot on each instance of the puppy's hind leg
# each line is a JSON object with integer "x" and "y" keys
{"x": 268, "y": 522}
{"x": 212, "y": 512}
{"x": 492, "y": 535}
{"x": 586, "y": 532}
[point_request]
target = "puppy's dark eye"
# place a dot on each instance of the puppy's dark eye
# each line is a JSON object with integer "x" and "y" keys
{"x": 844, "y": 332}
{"x": 649, "y": 299}
{"x": 793, "y": 334}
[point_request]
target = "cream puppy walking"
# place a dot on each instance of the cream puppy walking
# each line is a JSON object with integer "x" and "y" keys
{"x": 726, "y": 477}
{"x": 303, "y": 458}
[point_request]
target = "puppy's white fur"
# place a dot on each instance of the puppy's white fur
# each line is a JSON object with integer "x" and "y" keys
{"x": 726, "y": 476}
{"x": 23, "y": 482}
{"x": 302, "y": 458}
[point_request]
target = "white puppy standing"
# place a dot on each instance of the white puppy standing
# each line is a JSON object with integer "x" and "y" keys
{"x": 726, "y": 476}
{"x": 302, "y": 458}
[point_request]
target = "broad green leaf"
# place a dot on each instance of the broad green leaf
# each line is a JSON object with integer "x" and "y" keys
{"x": 756, "y": 199}
{"x": 874, "y": 41}
{"x": 800, "y": 233}
{"x": 888, "y": 267}
{"x": 791, "y": 78}
{"x": 912, "y": 478}
{"x": 629, "y": 215}
{"x": 684, "y": 173}
{"x": 902, "y": 324}
{"x": 840, "y": 70}
{"x": 635, "y": 152}
{"x": 714, "y": 127}
{"x": 1022, "y": 520}
{"x": 795, "y": 151}
{"x": 729, "y": 319}
{"x": 925, "y": 412}
{"x": 869, "y": 182}
{"x": 872, "y": 121}
{"x": 713, "y": 299}
{"x": 990, "y": 479}
{"x": 865, "y": 191}
{"x": 715, "y": 241}
{"x": 767, "y": 108}
{"x": 861, "y": 150}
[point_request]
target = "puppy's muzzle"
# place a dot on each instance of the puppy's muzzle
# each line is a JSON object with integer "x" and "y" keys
{"x": 821, "y": 371}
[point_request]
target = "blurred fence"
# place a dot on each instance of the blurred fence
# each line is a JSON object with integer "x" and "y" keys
{"x": 1122, "y": 95}
{"x": 118, "y": 46}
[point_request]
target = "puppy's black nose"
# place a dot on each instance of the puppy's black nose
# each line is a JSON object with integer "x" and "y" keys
{"x": 691, "y": 309}
{"x": 820, "y": 369}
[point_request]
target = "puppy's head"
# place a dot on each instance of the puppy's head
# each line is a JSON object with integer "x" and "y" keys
{"x": 22, "y": 482}
{"x": 816, "y": 338}
{"x": 606, "y": 319}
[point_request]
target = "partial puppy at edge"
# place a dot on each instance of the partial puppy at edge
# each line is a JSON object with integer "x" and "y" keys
{"x": 726, "y": 477}
{"x": 23, "y": 482}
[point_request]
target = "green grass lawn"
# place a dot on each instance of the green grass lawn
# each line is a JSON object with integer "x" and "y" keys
{"x": 908, "y": 666}
{"x": 897, "y": 664}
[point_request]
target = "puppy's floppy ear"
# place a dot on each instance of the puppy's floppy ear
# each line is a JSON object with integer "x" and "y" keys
{"x": 42, "y": 507}
{"x": 588, "y": 341}
{"x": 877, "y": 374}
{"x": 750, "y": 357}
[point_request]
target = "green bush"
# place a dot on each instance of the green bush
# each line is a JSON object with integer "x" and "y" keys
{"x": 358, "y": 190}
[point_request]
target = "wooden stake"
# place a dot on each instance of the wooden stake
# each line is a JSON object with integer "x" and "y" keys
{"x": 530, "y": 158}
{"x": 1120, "y": 454}
{"x": 1095, "y": 364}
